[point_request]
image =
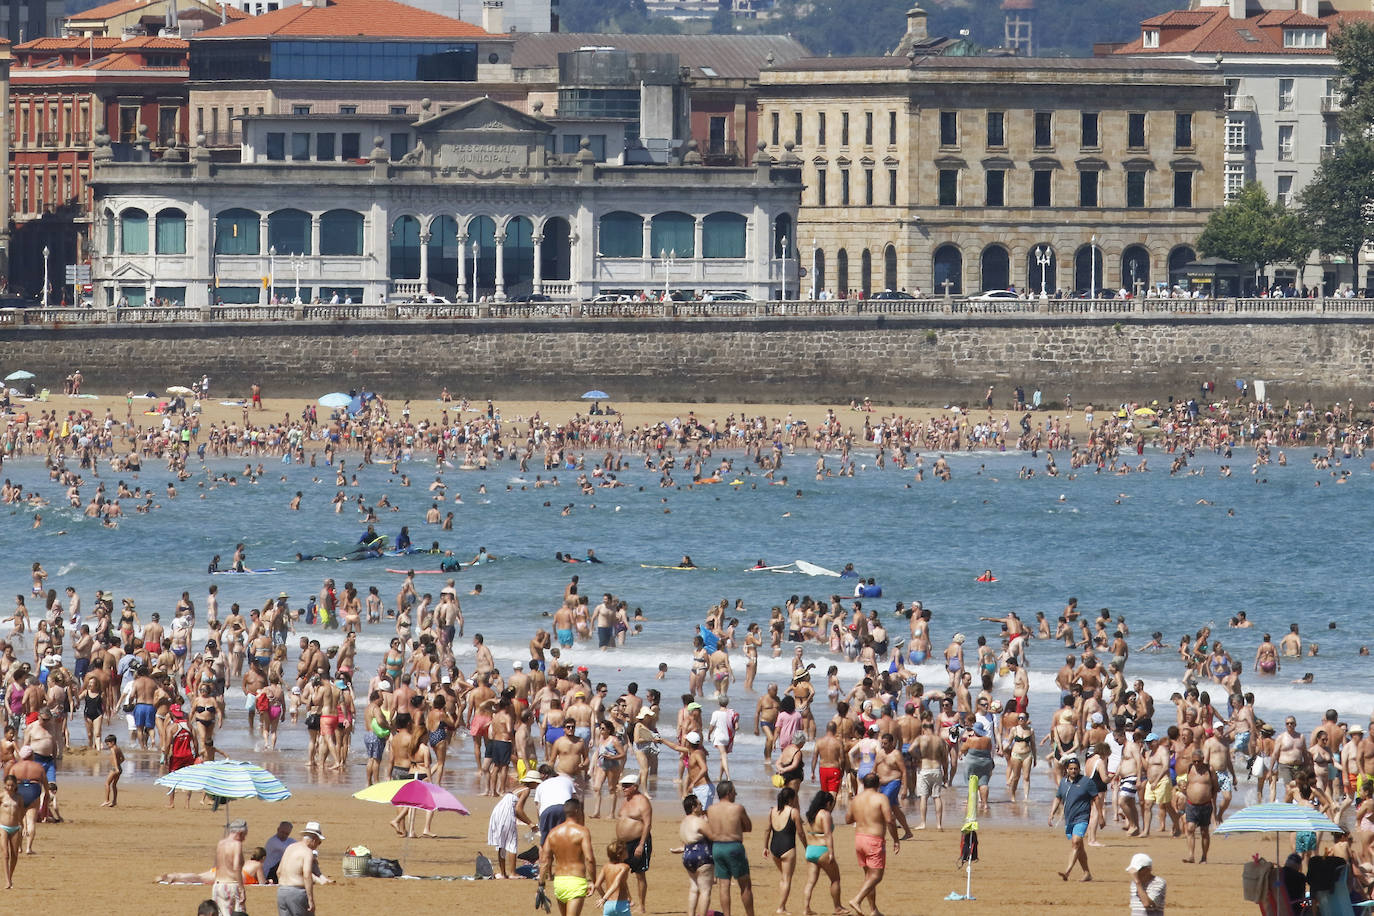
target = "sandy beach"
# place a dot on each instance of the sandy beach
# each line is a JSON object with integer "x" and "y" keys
{"x": 130, "y": 845}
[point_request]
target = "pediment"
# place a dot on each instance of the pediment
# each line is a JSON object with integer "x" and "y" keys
{"x": 484, "y": 114}
{"x": 130, "y": 271}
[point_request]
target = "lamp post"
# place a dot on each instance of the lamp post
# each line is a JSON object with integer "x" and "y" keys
{"x": 668, "y": 257}
{"x": 271, "y": 273}
{"x": 784, "y": 268}
{"x": 1043, "y": 256}
{"x": 45, "y": 276}
{"x": 476, "y": 250}
{"x": 297, "y": 265}
{"x": 1092, "y": 268}
{"x": 1133, "y": 264}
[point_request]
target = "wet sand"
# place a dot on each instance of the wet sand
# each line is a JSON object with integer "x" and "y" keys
{"x": 104, "y": 860}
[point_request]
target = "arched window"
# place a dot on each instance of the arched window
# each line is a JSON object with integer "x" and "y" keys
{"x": 288, "y": 231}
{"x": 890, "y": 267}
{"x": 995, "y": 268}
{"x": 555, "y": 252}
{"x": 134, "y": 228}
{"x": 111, "y": 232}
{"x": 866, "y": 273}
{"x": 482, "y": 274}
{"x": 443, "y": 256}
{"x": 1135, "y": 269}
{"x": 1035, "y": 270}
{"x": 818, "y": 272}
{"x": 673, "y": 233}
{"x": 622, "y": 235}
{"x": 722, "y": 235}
{"x": 341, "y": 233}
{"x": 949, "y": 269}
{"x": 1179, "y": 259}
{"x": 782, "y": 229}
{"x": 405, "y": 248}
{"x": 1087, "y": 269}
{"x": 237, "y": 232}
{"x": 171, "y": 231}
{"x": 518, "y": 264}
{"x": 842, "y": 272}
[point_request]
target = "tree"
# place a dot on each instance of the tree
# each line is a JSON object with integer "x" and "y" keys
{"x": 1245, "y": 230}
{"x": 1338, "y": 203}
{"x": 1353, "y": 48}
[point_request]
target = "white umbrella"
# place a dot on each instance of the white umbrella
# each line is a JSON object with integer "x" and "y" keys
{"x": 19, "y": 375}
{"x": 179, "y": 389}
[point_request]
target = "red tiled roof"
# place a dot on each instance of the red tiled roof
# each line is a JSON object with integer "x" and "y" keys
{"x": 68, "y": 44}
{"x": 1215, "y": 32}
{"x": 348, "y": 19}
{"x": 116, "y": 8}
{"x": 155, "y": 43}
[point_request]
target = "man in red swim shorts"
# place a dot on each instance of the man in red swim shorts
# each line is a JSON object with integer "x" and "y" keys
{"x": 830, "y": 757}
{"x": 871, "y": 813}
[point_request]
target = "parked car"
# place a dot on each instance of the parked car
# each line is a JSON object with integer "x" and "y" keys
{"x": 994, "y": 295}
{"x": 1094, "y": 294}
{"x": 888, "y": 294}
{"x": 729, "y": 295}
{"x": 611, "y": 297}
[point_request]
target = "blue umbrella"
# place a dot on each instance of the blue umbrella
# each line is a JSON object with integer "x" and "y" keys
{"x": 596, "y": 394}
{"x": 335, "y": 399}
{"x": 1276, "y": 818}
{"x": 227, "y": 779}
{"x": 19, "y": 375}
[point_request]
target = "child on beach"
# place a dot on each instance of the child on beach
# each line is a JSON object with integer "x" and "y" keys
{"x": 613, "y": 882}
{"x": 116, "y": 771}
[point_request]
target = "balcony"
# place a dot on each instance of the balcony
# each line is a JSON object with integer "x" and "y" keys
{"x": 720, "y": 152}
{"x": 1237, "y": 150}
{"x": 1242, "y": 103}
{"x": 1331, "y": 104}
{"x": 222, "y": 138}
{"x": 1328, "y": 150}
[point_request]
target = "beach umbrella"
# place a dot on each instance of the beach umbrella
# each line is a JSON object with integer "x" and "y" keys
{"x": 335, "y": 399}
{"x": 178, "y": 389}
{"x": 596, "y": 394}
{"x": 1144, "y": 412}
{"x": 968, "y": 842}
{"x": 420, "y": 793}
{"x": 19, "y": 375}
{"x": 227, "y": 779}
{"x": 1276, "y": 818}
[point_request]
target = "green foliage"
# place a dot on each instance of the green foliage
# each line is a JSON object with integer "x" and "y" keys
{"x": 1339, "y": 200}
{"x": 1245, "y": 230}
{"x": 1353, "y": 47}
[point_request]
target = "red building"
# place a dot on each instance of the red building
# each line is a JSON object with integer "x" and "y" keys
{"x": 64, "y": 91}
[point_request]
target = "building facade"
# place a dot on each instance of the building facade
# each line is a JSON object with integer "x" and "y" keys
{"x": 478, "y": 208}
{"x": 1282, "y": 94}
{"x": 960, "y": 174}
{"x": 25, "y": 20}
{"x": 6, "y": 129}
{"x": 64, "y": 91}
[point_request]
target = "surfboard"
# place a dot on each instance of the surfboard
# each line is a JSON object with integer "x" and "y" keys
{"x": 651, "y": 566}
{"x": 784, "y": 568}
{"x": 243, "y": 572}
{"x": 981, "y": 579}
{"x": 811, "y": 569}
{"x": 418, "y": 572}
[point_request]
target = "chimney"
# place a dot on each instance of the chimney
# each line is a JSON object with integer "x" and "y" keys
{"x": 493, "y": 16}
{"x": 916, "y": 30}
{"x": 1237, "y": 9}
{"x": 1308, "y": 8}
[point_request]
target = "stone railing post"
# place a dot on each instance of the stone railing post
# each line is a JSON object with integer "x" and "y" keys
{"x": 389, "y": 311}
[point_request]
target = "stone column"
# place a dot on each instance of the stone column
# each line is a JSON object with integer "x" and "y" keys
{"x": 696, "y": 241}
{"x": 424, "y": 261}
{"x": 538, "y": 268}
{"x": 499, "y": 239}
{"x": 649, "y": 239}
{"x": 314, "y": 236}
{"x": 462, "y": 293}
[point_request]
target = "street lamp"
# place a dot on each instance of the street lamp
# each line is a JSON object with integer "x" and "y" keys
{"x": 45, "y": 276}
{"x": 784, "y": 268}
{"x": 1043, "y": 256}
{"x": 668, "y": 257}
{"x": 476, "y": 250}
{"x": 1135, "y": 284}
{"x": 1092, "y": 268}
{"x": 297, "y": 265}
{"x": 271, "y": 273}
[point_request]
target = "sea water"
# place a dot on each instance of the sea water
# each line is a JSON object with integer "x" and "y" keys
{"x": 1169, "y": 553}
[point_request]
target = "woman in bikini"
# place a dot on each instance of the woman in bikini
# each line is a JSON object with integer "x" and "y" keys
{"x": 1021, "y": 755}
{"x": 818, "y": 827}
{"x": 610, "y": 763}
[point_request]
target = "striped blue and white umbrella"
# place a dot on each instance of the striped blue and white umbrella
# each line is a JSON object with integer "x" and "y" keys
{"x": 1276, "y": 818}
{"x": 227, "y": 779}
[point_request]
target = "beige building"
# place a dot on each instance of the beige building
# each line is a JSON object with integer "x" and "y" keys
{"x": 965, "y": 174}
{"x": 5, "y": 129}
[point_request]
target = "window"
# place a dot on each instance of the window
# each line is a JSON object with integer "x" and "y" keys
{"x": 1331, "y": 98}
{"x": 1235, "y": 135}
{"x": 167, "y": 133}
{"x": 399, "y": 110}
{"x": 300, "y": 109}
{"x": 324, "y": 147}
{"x": 350, "y": 146}
{"x": 622, "y": 235}
{"x": 1304, "y": 38}
{"x": 1285, "y": 95}
{"x": 1232, "y": 90}
{"x": 1285, "y": 190}
{"x": 1087, "y": 189}
{"x": 715, "y": 139}
{"x": 776, "y": 124}
{"x": 820, "y": 186}
{"x": 348, "y": 109}
{"x": 820, "y": 128}
{"x": 1149, "y": 38}
{"x": 1183, "y": 189}
{"x": 868, "y": 187}
{"x": 949, "y": 187}
{"x": 1332, "y": 139}
{"x": 892, "y": 128}
{"x": 996, "y": 181}
{"x": 1135, "y": 130}
{"x": 797, "y": 128}
{"x": 128, "y": 124}
{"x": 288, "y": 231}
{"x": 1135, "y": 189}
{"x": 237, "y": 232}
{"x": 276, "y": 146}
{"x": 400, "y": 145}
{"x": 171, "y": 232}
{"x": 868, "y": 128}
{"x": 1087, "y": 132}
{"x": 134, "y": 232}
{"x": 892, "y": 187}
{"x": 844, "y": 187}
{"x": 1183, "y": 130}
{"x": 723, "y": 235}
{"x": 844, "y": 128}
{"x": 997, "y": 136}
{"x": 1044, "y": 129}
{"x": 673, "y": 232}
{"x": 1286, "y": 142}
{"x": 300, "y": 147}
{"x": 949, "y": 128}
{"x": 1235, "y": 179}
{"x": 341, "y": 233}
{"x": 1041, "y": 182}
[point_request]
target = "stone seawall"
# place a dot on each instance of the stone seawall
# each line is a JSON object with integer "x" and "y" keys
{"x": 914, "y": 358}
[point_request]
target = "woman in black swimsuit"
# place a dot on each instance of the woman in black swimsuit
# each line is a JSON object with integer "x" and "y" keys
{"x": 780, "y": 841}
{"x": 791, "y": 765}
{"x": 93, "y": 709}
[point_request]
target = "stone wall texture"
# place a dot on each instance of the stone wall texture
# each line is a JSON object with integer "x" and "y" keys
{"x": 907, "y": 359}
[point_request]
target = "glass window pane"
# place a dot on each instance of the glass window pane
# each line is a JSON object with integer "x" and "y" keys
{"x": 622, "y": 235}
{"x": 237, "y": 232}
{"x": 135, "y": 232}
{"x": 673, "y": 233}
{"x": 341, "y": 233}
{"x": 723, "y": 235}
{"x": 171, "y": 232}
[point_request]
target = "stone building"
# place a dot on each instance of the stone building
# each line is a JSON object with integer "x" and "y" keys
{"x": 477, "y": 208}
{"x": 6, "y": 127}
{"x": 963, "y": 174}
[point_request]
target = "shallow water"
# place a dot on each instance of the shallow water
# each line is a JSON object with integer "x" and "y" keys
{"x": 1140, "y": 545}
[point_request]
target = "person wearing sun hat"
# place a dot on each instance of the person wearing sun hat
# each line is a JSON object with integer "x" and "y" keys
{"x": 1147, "y": 888}
{"x": 296, "y": 877}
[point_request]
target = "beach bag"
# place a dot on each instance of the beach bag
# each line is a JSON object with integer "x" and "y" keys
{"x": 181, "y": 743}
{"x": 262, "y": 702}
{"x": 778, "y": 781}
{"x": 384, "y": 868}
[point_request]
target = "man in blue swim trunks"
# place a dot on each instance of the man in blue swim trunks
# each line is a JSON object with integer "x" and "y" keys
{"x": 1075, "y": 798}
{"x": 29, "y": 787}
{"x": 891, "y": 770}
{"x": 144, "y": 691}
